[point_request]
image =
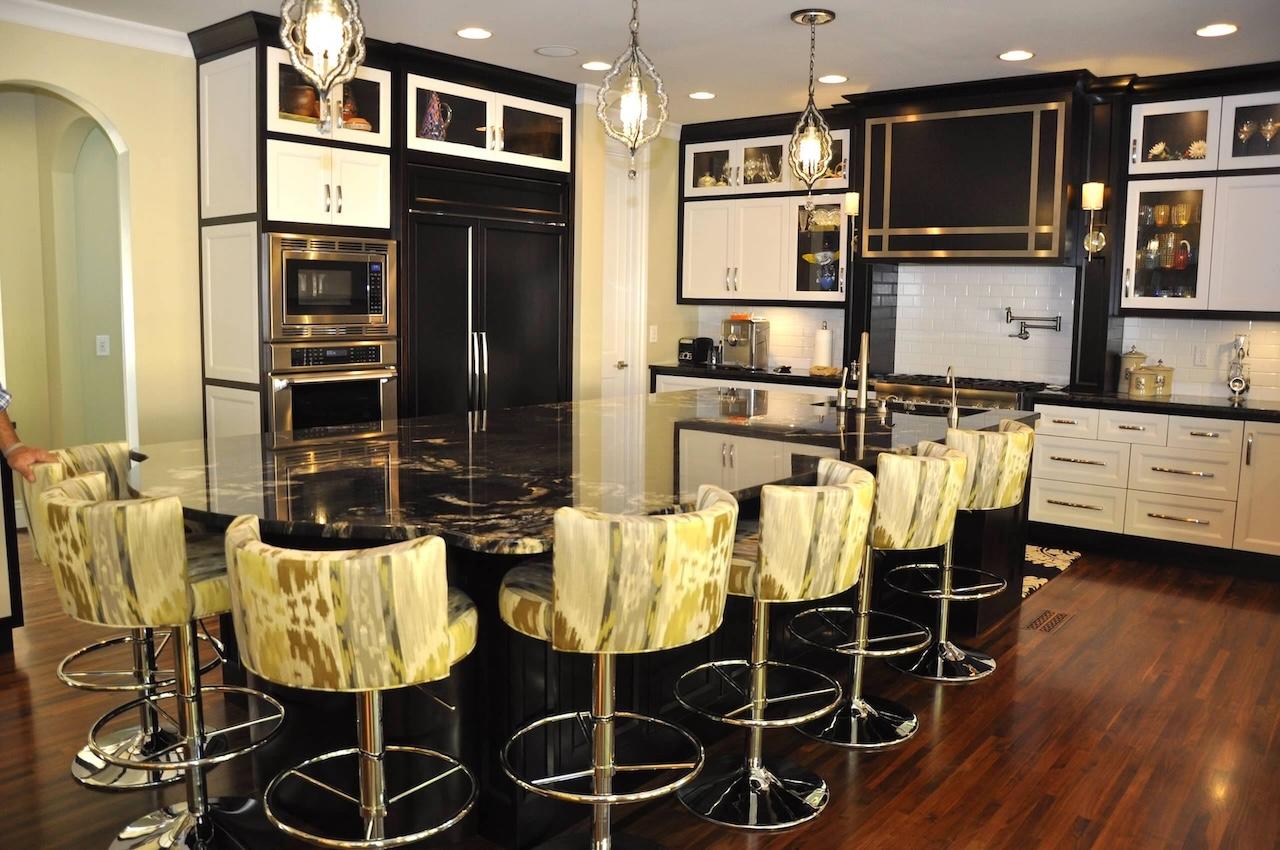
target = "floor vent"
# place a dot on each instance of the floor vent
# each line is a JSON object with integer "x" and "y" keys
{"x": 1049, "y": 621}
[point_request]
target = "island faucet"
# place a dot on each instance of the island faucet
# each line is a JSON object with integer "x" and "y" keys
{"x": 953, "y": 412}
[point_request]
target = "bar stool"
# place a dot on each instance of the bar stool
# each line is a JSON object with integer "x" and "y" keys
{"x": 125, "y": 564}
{"x": 916, "y": 500}
{"x": 361, "y": 622}
{"x": 996, "y": 477}
{"x": 810, "y": 546}
{"x": 620, "y": 585}
{"x": 142, "y": 676}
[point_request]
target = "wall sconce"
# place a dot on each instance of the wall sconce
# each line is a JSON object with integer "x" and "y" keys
{"x": 1091, "y": 195}
{"x": 851, "y": 202}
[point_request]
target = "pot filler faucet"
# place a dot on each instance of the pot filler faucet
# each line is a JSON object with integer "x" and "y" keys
{"x": 953, "y": 412}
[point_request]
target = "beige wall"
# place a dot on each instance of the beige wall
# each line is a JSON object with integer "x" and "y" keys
{"x": 147, "y": 102}
{"x": 673, "y": 320}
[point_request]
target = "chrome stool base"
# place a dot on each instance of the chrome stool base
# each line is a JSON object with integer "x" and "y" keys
{"x": 454, "y": 793}
{"x": 175, "y": 828}
{"x": 777, "y": 795}
{"x": 946, "y": 662}
{"x": 866, "y": 723}
{"x": 582, "y": 840}
{"x": 128, "y": 744}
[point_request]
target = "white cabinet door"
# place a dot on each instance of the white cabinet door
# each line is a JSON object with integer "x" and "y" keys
{"x": 228, "y": 130}
{"x": 229, "y": 292}
{"x": 1056, "y": 421}
{"x": 1185, "y": 519}
{"x": 532, "y": 133}
{"x": 361, "y": 188}
{"x": 708, "y": 236}
{"x": 1245, "y": 272}
{"x": 1081, "y": 461}
{"x": 759, "y": 245}
{"x": 754, "y": 462}
{"x": 299, "y": 185}
{"x": 230, "y": 414}
{"x": 1242, "y": 140}
{"x": 1164, "y": 217}
{"x": 1257, "y": 529}
{"x": 712, "y": 168}
{"x": 704, "y": 459}
{"x": 1162, "y": 135}
{"x": 1214, "y": 475}
{"x": 1124, "y": 426}
{"x": 449, "y": 118}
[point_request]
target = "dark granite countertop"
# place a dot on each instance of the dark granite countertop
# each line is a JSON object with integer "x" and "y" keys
{"x": 730, "y": 373}
{"x": 1257, "y": 410}
{"x": 495, "y": 490}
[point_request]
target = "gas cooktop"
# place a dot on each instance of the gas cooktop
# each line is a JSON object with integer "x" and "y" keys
{"x": 988, "y": 384}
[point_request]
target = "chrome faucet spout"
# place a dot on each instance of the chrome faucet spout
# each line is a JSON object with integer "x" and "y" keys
{"x": 953, "y": 412}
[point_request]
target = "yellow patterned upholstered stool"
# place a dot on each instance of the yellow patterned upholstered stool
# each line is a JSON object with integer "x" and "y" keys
{"x": 916, "y": 500}
{"x": 995, "y": 479}
{"x": 125, "y": 564}
{"x": 360, "y": 622}
{"x": 101, "y": 666}
{"x": 810, "y": 546}
{"x": 618, "y": 585}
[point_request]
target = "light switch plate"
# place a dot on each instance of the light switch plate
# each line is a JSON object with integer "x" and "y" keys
{"x": 653, "y": 333}
{"x": 103, "y": 344}
{"x": 1200, "y": 355}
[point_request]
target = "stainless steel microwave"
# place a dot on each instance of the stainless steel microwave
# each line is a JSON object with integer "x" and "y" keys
{"x": 321, "y": 286}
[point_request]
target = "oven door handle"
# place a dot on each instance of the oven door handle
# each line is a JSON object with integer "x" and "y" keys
{"x": 281, "y": 382}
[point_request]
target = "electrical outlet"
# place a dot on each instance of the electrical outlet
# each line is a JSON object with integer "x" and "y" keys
{"x": 103, "y": 345}
{"x": 1200, "y": 355}
{"x": 653, "y": 333}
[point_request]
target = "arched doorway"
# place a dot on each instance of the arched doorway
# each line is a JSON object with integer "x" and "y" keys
{"x": 66, "y": 308}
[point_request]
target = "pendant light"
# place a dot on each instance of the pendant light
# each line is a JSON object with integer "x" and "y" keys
{"x": 325, "y": 40}
{"x": 632, "y": 104}
{"x": 810, "y": 149}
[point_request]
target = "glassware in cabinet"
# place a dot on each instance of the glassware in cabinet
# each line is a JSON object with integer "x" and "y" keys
{"x": 1250, "y": 131}
{"x": 821, "y": 241}
{"x": 1168, "y": 244}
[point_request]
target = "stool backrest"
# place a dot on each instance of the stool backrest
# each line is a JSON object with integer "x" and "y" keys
{"x": 47, "y": 475}
{"x": 355, "y": 620}
{"x": 998, "y": 464}
{"x": 641, "y": 583}
{"x": 111, "y": 459}
{"x": 916, "y": 498}
{"x": 123, "y": 563}
{"x": 812, "y": 539}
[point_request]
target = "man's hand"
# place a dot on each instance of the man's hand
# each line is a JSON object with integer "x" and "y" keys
{"x": 26, "y": 457}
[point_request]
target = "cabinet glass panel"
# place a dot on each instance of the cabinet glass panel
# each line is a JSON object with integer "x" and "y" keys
{"x": 532, "y": 133}
{"x": 1254, "y": 129}
{"x": 763, "y": 165}
{"x": 712, "y": 168}
{"x": 361, "y": 106}
{"x": 296, "y": 98}
{"x": 443, "y": 117}
{"x": 1169, "y": 231}
{"x": 836, "y": 166}
{"x": 1174, "y": 136}
{"x": 818, "y": 245}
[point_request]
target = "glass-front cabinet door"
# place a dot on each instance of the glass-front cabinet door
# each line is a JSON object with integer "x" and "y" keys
{"x": 361, "y": 107}
{"x": 763, "y": 166}
{"x": 1251, "y": 131}
{"x": 1168, "y": 244}
{"x": 837, "y": 176}
{"x": 819, "y": 240}
{"x": 712, "y": 168}
{"x": 448, "y": 118}
{"x": 1174, "y": 136}
{"x": 533, "y": 133}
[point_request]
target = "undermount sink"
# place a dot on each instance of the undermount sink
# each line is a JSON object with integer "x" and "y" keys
{"x": 910, "y": 409}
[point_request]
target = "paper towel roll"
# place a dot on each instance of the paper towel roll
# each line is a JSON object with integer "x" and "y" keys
{"x": 822, "y": 346}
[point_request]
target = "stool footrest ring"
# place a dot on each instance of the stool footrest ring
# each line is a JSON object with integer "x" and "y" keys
{"x": 217, "y": 742}
{"x": 837, "y": 629}
{"x": 126, "y": 679}
{"x": 721, "y": 691}
{"x": 925, "y": 580}
{"x": 631, "y": 777}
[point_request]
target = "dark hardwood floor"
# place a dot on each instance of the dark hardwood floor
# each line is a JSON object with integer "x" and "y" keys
{"x": 1149, "y": 718}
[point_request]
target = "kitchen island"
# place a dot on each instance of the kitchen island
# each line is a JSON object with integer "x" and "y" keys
{"x": 490, "y": 484}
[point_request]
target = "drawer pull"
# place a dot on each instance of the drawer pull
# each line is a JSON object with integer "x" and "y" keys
{"x": 1193, "y": 473}
{"x": 1079, "y": 505}
{"x": 1077, "y": 460}
{"x": 1132, "y": 427}
{"x": 1213, "y": 435}
{"x": 1065, "y": 422}
{"x": 1191, "y": 520}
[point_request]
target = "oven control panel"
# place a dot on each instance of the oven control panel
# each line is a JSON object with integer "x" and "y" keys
{"x": 338, "y": 355}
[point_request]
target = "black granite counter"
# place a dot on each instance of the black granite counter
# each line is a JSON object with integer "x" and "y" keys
{"x": 729, "y": 373}
{"x": 494, "y": 488}
{"x": 1257, "y": 410}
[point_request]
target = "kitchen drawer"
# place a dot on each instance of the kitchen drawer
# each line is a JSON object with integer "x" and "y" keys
{"x": 1081, "y": 461}
{"x": 1186, "y": 519}
{"x": 1122, "y": 426}
{"x": 1214, "y": 475}
{"x": 1077, "y": 505}
{"x": 1058, "y": 421}
{"x": 1213, "y": 435}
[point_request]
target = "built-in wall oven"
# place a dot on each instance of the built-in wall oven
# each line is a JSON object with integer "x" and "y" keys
{"x": 323, "y": 286}
{"x": 328, "y": 390}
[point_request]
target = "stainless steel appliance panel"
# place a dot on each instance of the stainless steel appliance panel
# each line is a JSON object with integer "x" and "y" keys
{"x": 324, "y": 286}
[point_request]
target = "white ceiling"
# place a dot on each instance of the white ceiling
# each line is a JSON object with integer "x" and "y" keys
{"x": 755, "y": 59}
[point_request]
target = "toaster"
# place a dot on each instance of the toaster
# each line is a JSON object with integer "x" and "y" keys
{"x": 695, "y": 351}
{"x": 746, "y": 343}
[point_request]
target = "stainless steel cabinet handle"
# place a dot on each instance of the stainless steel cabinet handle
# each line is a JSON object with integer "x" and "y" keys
{"x": 724, "y": 454}
{"x": 1171, "y": 518}
{"x": 733, "y": 460}
{"x": 842, "y": 280}
{"x": 1128, "y": 283}
{"x": 726, "y": 279}
{"x": 1193, "y": 473}
{"x": 339, "y": 197}
{"x": 1132, "y": 427}
{"x": 1248, "y": 451}
{"x": 1065, "y": 422}
{"x": 737, "y": 181}
{"x": 1079, "y": 505}
{"x": 1210, "y": 434}
{"x": 328, "y": 198}
{"x": 1077, "y": 460}
{"x": 735, "y": 278}
{"x": 489, "y": 138}
{"x": 484, "y": 374}
{"x": 501, "y": 136}
{"x": 1133, "y": 151}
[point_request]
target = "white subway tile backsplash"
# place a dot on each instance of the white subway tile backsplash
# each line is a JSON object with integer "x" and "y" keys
{"x": 954, "y": 316}
{"x": 791, "y": 331}
{"x": 1174, "y": 340}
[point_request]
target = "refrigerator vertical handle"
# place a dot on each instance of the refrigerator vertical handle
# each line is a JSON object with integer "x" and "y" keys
{"x": 473, "y": 376}
{"x": 484, "y": 347}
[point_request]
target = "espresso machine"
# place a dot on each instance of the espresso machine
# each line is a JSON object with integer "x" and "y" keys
{"x": 746, "y": 343}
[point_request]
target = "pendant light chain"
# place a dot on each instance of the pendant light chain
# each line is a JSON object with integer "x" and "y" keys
{"x": 809, "y": 152}
{"x": 813, "y": 50}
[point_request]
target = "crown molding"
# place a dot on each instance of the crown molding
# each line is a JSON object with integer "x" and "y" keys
{"x": 68, "y": 21}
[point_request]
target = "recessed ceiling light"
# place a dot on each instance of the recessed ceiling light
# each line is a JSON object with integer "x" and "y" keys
{"x": 556, "y": 51}
{"x": 474, "y": 33}
{"x": 702, "y": 95}
{"x": 1016, "y": 55}
{"x": 833, "y": 79}
{"x": 1216, "y": 30}
{"x": 596, "y": 65}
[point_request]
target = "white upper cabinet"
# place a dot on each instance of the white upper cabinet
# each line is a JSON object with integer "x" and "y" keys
{"x": 816, "y": 249}
{"x": 736, "y": 250}
{"x": 1245, "y": 271}
{"x": 228, "y": 135}
{"x": 361, "y": 107}
{"x": 1169, "y": 243}
{"x": 1250, "y": 131}
{"x": 753, "y": 166}
{"x": 313, "y": 184}
{"x": 361, "y": 188}
{"x": 1175, "y": 136}
{"x": 707, "y": 271}
{"x": 460, "y": 120}
{"x": 229, "y": 290}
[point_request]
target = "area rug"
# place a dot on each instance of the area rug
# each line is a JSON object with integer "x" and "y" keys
{"x": 1043, "y": 564}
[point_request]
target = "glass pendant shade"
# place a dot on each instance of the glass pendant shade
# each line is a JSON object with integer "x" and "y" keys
{"x": 632, "y": 104}
{"x": 809, "y": 153}
{"x": 325, "y": 42}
